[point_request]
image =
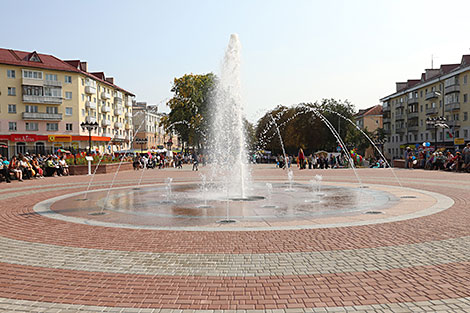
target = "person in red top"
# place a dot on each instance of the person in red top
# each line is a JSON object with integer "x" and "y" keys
{"x": 301, "y": 158}
{"x": 14, "y": 167}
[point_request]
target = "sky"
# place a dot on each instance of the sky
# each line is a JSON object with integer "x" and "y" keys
{"x": 292, "y": 51}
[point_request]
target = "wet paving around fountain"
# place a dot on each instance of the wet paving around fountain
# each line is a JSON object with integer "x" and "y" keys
{"x": 188, "y": 206}
{"x": 411, "y": 257}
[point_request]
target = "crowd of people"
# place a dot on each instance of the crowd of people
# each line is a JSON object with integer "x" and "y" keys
{"x": 313, "y": 161}
{"x": 28, "y": 166}
{"x": 438, "y": 160}
{"x": 162, "y": 160}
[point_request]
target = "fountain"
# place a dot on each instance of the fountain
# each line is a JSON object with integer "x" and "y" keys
{"x": 204, "y": 191}
{"x": 228, "y": 143}
{"x": 226, "y": 193}
{"x": 290, "y": 178}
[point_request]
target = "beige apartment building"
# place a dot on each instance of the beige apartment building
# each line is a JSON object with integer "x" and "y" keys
{"x": 439, "y": 94}
{"x": 43, "y": 101}
{"x": 147, "y": 125}
{"x": 370, "y": 119}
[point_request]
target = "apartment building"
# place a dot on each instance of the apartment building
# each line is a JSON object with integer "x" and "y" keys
{"x": 439, "y": 94}
{"x": 370, "y": 119}
{"x": 43, "y": 101}
{"x": 147, "y": 124}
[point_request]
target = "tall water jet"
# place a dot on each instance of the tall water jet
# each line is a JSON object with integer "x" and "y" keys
{"x": 228, "y": 143}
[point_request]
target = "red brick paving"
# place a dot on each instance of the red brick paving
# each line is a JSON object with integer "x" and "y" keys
{"x": 421, "y": 283}
{"x": 340, "y": 289}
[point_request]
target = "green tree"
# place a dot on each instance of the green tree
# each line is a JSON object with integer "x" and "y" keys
{"x": 189, "y": 107}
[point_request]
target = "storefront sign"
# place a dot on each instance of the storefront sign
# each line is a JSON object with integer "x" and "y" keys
{"x": 59, "y": 138}
{"x": 459, "y": 141}
{"x": 23, "y": 138}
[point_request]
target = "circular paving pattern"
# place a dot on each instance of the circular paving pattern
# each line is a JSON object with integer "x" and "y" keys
{"x": 412, "y": 257}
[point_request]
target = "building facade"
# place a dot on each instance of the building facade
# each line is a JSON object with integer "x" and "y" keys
{"x": 439, "y": 94}
{"x": 43, "y": 101}
{"x": 370, "y": 119}
{"x": 147, "y": 125}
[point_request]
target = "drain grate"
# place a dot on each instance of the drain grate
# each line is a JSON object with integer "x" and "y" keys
{"x": 227, "y": 221}
{"x": 97, "y": 213}
{"x": 373, "y": 212}
{"x": 408, "y": 197}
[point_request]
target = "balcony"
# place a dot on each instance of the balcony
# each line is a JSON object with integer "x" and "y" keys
{"x": 399, "y": 116}
{"x": 105, "y": 123}
{"x": 400, "y": 105}
{"x": 385, "y": 120}
{"x": 129, "y": 103}
{"x": 90, "y": 105}
{"x": 107, "y": 135}
{"x": 452, "y": 88}
{"x": 453, "y": 106}
{"x": 413, "y": 128}
{"x": 90, "y": 90}
{"x": 32, "y": 82}
{"x": 454, "y": 124}
{"x": 412, "y": 115}
{"x": 431, "y": 111}
{"x": 54, "y": 83}
{"x": 128, "y": 126}
{"x": 105, "y": 95}
{"x": 128, "y": 114}
{"x": 42, "y": 116}
{"x": 105, "y": 109}
{"x": 431, "y": 95}
{"x": 118, "y": 110}
{"x": 119, "y": 138}
{"x": 387, "y": 131}
{"x": 42, "y": 99}
{"x": 117, "y": 101}
{"x": 412, "y": 100}
{"x": 90, "y": 119}
{"x": 118, "y": 125}
{"x": 400, "y": 130}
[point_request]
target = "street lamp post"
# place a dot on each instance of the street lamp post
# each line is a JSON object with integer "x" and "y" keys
{"x": 437, "y": 122}
{"x": 90, "y": 127}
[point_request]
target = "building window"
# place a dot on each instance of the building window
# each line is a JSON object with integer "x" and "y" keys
{"x": 12, "y": 126}
{"x": 11, "y": 91}
{"x": 32, "y": 74}
{"x": 465, "y": 97}
{"x": 12, "y": 108}
{"x": 31, "y": 109}
{"x": 465, "y": 116}
{"x": 52, "y": 77}
{"x": 83, "y": 112}
{"x": 20, "y": 148}
{"x": 68, "y": 111}
{"x": 465, "y": 79}
{"x": 68, "y": 79}
{"x": 457, "y": 133}
{"x": 68, "y": 95}
{"x": 32, "y": 126}
{"x": 52, "y": 126}
{"x": 52, "y": 110}
{"x": 68, "y": 127}
{"x": 465, "y": 133}
{"x": 52, "y": 92}
{"x": 11, "y": 74}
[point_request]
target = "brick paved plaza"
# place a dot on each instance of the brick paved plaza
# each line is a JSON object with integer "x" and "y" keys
{"x": 414, "y": 257}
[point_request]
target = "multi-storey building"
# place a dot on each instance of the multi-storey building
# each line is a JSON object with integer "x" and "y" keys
{"x": 369, "y": 119}
{"x": 440, "y": 93}
{"x": 43, "y": 101}
{"x": 147, "y": 124}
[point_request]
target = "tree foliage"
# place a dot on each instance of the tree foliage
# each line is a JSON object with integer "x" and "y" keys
{"x": 301, "y": 127}
{"x": 189, "y": 107}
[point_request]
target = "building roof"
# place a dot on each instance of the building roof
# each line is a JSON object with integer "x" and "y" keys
{"x": 46, "y": 61}
{"x": 432, "y": 74}
{"x": 375, "y": 110}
